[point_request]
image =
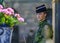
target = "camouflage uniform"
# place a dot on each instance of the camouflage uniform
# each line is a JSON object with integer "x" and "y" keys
{"x": 44, "y": 32}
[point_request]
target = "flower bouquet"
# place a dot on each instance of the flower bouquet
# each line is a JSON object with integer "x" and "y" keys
{"x": 7, "y": 17}
{"x": 7, "y": 20}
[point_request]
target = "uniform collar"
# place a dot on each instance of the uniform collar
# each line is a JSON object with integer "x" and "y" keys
{"x": 42, "y": 23}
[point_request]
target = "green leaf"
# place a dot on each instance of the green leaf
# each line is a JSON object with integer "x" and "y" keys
{"x": 2, "y": 20}
{"x": 1, "y": 15}
{"x": 11, "y": 21}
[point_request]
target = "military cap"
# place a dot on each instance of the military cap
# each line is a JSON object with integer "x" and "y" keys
{"x": 41, "y": 8}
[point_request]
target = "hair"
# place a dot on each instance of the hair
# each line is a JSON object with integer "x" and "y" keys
{"x": 45, "y": 12}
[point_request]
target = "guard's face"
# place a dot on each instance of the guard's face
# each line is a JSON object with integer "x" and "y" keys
{"x": 41, "y": 16}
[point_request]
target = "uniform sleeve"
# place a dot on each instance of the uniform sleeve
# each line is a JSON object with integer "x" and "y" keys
{"x": 48, "y": 31}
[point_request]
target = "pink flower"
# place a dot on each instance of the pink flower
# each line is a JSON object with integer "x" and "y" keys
{"x": 1, "y": 7}
{"x": 17, "y": 15}
{"x": 6, "y": 11}
{"x": 21, "y": 19}
{"x": 9, "y": 13}
{"x": 0, "y": 10}
{"x": 10, "y": 10}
